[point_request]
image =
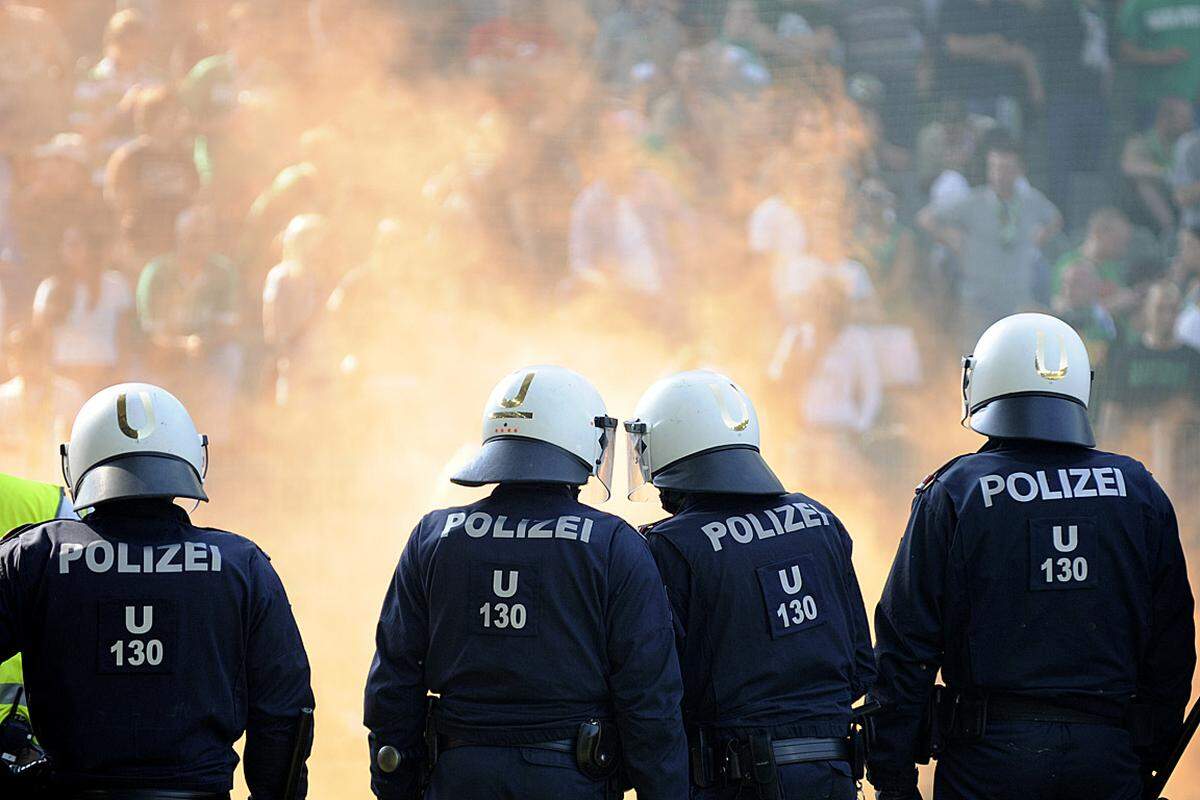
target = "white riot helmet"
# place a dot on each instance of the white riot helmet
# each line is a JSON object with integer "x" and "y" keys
{"x": 134, "y": 440}
{"x": 544, "y": 424}
{"x": 696, "y": 431}
{"x": 1029, "y": 378}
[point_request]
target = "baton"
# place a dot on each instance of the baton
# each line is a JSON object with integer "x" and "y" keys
{"x": 304, "y": 729}
{"x": 1158, "y": 778}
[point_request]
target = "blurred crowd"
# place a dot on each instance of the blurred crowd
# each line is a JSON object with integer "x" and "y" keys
{"x": 275, "y": 199}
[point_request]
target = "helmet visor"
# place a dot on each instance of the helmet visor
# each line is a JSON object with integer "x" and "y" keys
{"x": 966, "y": 381}
{"x": 637, "y": 462}
{"x": 599, "y": 486}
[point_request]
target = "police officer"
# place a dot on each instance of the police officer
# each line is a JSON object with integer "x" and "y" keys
{"x": 1046, "y": 580}
{"x": 770, "y": 625}
{"x": 22, "y": 502}
{"x": 539, "y": 621}
{"x": 150, "y": 644}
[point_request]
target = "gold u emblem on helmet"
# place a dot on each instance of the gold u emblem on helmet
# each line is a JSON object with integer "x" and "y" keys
{"x": 731, "y": 420}
{"x": 123, "y": 416}
{"x": 515, "y": 401}
{"x": 1039, "y": 359}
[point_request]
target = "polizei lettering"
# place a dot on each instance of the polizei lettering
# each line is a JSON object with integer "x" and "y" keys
{"x": 102, "y": 556}
{"x": 765, "y": 524}
{"x": 479, "y": 524}
{"x": 1059, "y": 484}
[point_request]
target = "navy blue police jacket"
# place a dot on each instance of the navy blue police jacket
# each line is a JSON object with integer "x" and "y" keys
{"x": 771, "y": 628}
{"x": 1043, "y": 570}
{"x": 528, "y": 613}
{"x": 150, "y": 645}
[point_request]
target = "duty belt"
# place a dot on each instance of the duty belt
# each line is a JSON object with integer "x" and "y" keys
{"x": 558, "y": 745}
{"x": 732, "y": 761}
{"x": 962, "y": 716}
{"x": 800, "y": 751}
{"x": 1027, "y": 709}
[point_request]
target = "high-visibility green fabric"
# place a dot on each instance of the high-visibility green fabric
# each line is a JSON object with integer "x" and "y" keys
{"x": 10, "y": 688}
{"x": 25, "y": 502}
{"x": 22, "y": 502}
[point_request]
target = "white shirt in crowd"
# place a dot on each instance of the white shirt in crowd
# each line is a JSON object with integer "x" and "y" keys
{"x": 845, "y": 391}
{"x": 1187, "y": 326}
{"x": 776, "y": 230}
{"x": 626, "y": 236}
{"x": 89, "y": 335}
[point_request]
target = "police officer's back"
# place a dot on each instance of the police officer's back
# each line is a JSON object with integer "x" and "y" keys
{"x": 1046, "y": 579}
{"x": 150, "y": 644}
{"x": 773, "y": 637}
{"x": 540, "y": 621}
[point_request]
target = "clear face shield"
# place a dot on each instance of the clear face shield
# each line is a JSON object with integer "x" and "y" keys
{"x": 599, "y": 487}
{"x": 637, "y": 462}
{"x": 968, "y": 363}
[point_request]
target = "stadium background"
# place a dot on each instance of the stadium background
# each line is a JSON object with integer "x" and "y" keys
{"x": 391, "y": 204}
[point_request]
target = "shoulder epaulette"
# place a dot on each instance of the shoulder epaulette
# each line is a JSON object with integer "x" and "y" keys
{"x": 937, "y": 473}
{"x": 645, "y": 530}
{"x": 17, "y": 531}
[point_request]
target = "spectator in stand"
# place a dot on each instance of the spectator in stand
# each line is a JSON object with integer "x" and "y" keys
{"x": 513, "y": 51}
{"x": 788, "y": 49}
{"x": 839, "y": 398}
{"x": 775, "y": 230}
{"x": 744, "y": 48}
{"x": 151, "y": 179}
{"x": 981, "y": 60}
{"x": 624, "y": 226}
{"x": 884, "y": 156}
{"x": 883, "y": 38}
{"x": 1078, "y": 303}
{"x": 518, "y": 34}
{"x": 691, "y": 114}
{"x": 639, "y": 32}
{"x": 1104, "y": 250}
{"x": 187, "y": 308}
{"x": 1146, "y": 162}
{"x": 1151, "y": 383}
{"x": 86, "y": 308}
{"x": 55, "y": 191}
{"x": 1161, "y": 39}
{"x": 948, "y": 148}
{"x": 103, "y": 98}
{"x": 36, "y": 405}
{"x": 885, "y": 246}
{"x": 226, "y": 95}
{"x": 376, "y": 289}
{"x": 1185, "y": 176}
{"x": 293, "y": 296}
{"x": 1078, "y": 75}
{"x": 997, "y": 231}
{"x": 35, "y": 73}
{"x": 1184, "y": 272}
